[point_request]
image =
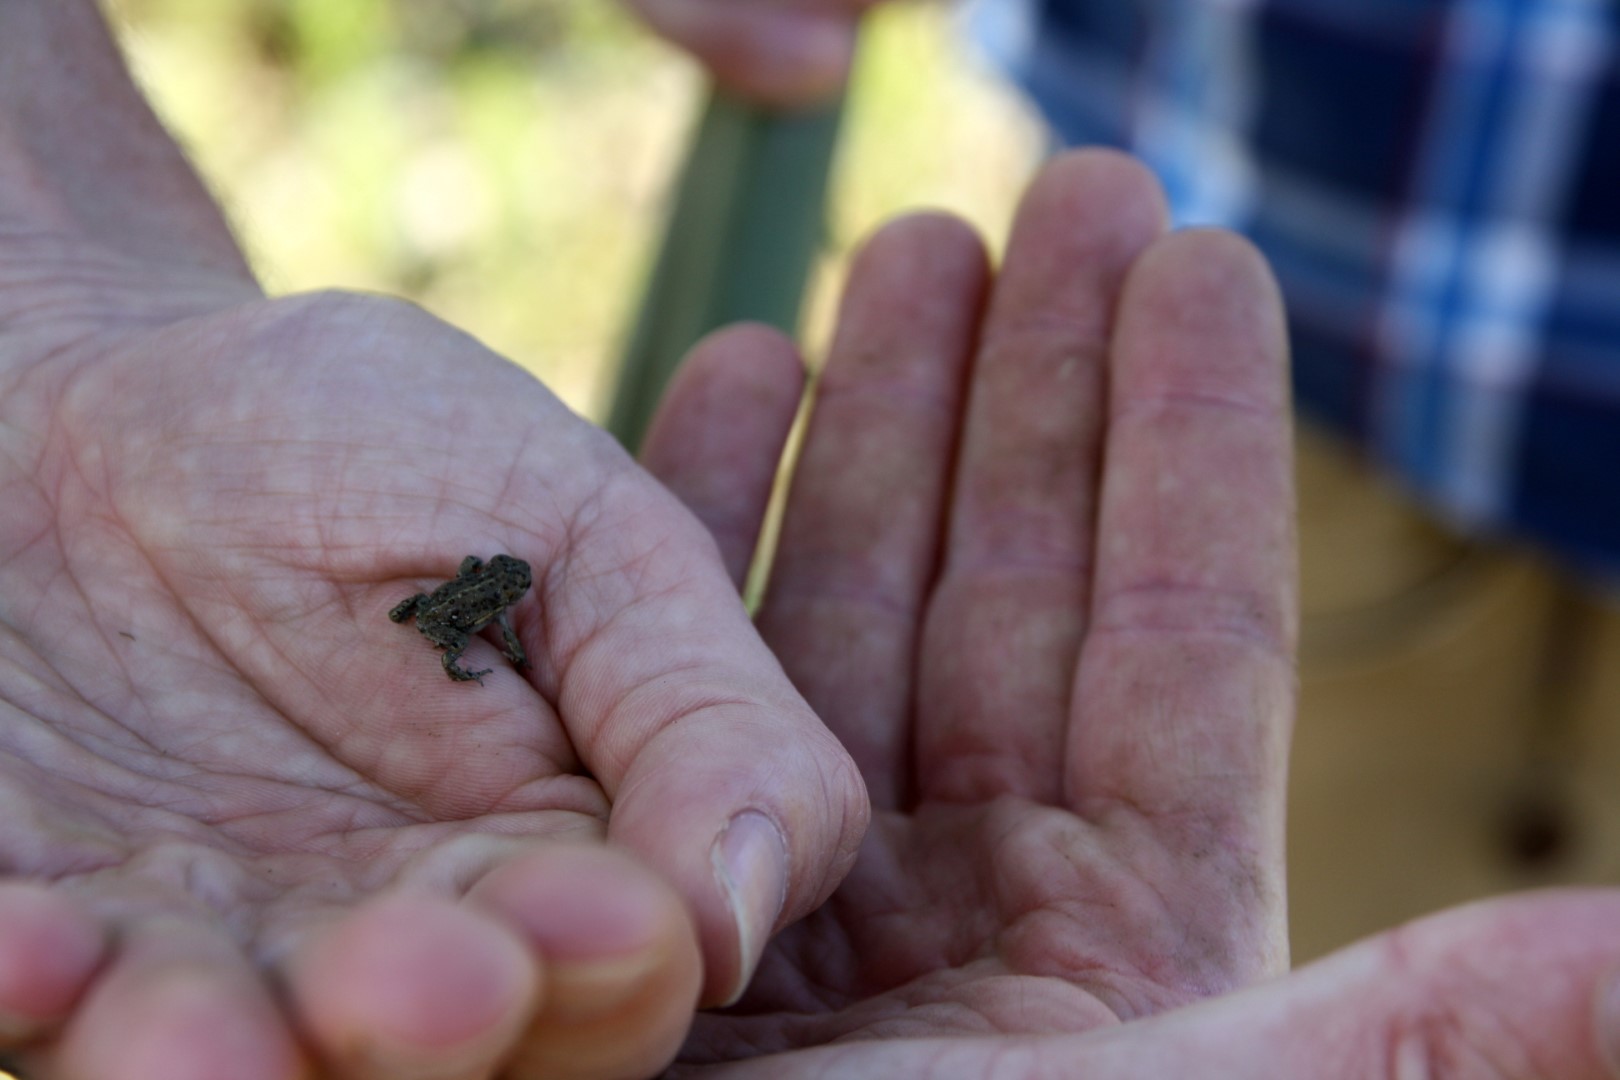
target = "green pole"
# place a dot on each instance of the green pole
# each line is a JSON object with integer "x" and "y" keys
{"x": 747, "y": 220}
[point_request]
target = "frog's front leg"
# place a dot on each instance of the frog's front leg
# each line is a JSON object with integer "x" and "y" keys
{"x": 514, "y": 647}
{"x": 406, "y": 608}
{"x": 454, "y": 642}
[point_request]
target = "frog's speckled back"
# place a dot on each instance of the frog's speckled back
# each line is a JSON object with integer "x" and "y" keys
{"x": 473, "y": 602}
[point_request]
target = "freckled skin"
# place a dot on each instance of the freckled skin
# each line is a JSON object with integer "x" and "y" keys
{"x": 477, "y": 596}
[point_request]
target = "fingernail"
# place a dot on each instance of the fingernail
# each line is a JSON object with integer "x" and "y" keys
{"x": 578, "y": 993}
{"x": 750, "y": 861}
{"x": 1608, "y": 1022}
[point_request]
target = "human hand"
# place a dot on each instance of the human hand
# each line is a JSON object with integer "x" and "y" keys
{"x": 1038, "y": 577}
{"x": 786, "y": 53}
{"x": 1037, "y": 572}
{"x": 251, "y": 827}
{"x": 1513, "y": 989}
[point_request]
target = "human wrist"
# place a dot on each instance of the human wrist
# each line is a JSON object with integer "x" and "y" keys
{"x": 81, "y": 153}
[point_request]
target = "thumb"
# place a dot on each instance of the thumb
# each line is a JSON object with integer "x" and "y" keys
{"x": 753, "y": 814}
{"x": 1517, "y": 988}
{"x": 719, "y": 775}
{"x": 1522, "y": 987}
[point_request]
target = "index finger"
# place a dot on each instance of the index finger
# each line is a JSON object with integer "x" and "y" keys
{"x": 1185, "y": 689}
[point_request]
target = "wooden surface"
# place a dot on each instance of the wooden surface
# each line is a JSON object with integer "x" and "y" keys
{"x": 1459, "y": 728}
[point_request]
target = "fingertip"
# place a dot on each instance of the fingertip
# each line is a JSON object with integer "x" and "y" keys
{"x": 720, "y": 429}
{"x": 177, "y": 1001}
{"x": 1212, "y": 260}
{"x": 622, "y": 967}
{"x": 49, "y": 950}
{"x": 187, "y": 1028}
{"x": 931, "y": 230}
{"x": 776, "y": 55}
{"x": 408, "y": 984}
{"x": 1524, "y": 978}
{"x": 927, "y": 256}
{"x": 752, "y": 359}
{"x": 803, "y": 65}
{"x": 577, "y": 903}
{"x": 908, "y": 314}
{"x": 1208, "y": 309}
{"x": 747, "y": 856}
{"x": 1100, "y": 179}
{"x": 1083, "y": 222}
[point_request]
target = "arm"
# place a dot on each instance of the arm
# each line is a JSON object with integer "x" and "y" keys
{"x": 81, "y": 153}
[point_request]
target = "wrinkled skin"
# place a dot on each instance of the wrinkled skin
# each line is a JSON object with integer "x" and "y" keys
{"x": 242, "y": 839}
{"x": 1078, "y": 795}
{"x": 1051, "y": 611}
{"x": 251, "y": 828}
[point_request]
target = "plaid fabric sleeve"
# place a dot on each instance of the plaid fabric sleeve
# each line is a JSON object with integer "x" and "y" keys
{"x": 1437, "y": 183}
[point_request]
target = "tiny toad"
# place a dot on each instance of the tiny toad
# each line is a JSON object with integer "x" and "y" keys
{"x": 477, "y": 596}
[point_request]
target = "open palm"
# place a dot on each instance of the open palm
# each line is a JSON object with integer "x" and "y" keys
{"x": 1036, "y": 571}
{"x": 247, "y": 815}
{"x": 1058, "y": 641}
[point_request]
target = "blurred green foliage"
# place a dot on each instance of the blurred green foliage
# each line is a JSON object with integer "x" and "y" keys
{"x": 505, "y": 162}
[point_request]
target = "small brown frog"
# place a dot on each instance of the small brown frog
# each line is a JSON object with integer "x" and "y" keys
{"x": 477, "y": 596}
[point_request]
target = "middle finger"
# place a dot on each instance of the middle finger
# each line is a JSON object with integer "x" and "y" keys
{"x": 1004, "y": 627}
{"x": 861, "y": 537}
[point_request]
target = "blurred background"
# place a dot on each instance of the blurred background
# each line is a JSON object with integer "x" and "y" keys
{"x": 505, "y": 164}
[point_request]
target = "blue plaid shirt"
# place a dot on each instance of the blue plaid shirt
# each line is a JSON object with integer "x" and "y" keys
{"x": 1437, "y": 183}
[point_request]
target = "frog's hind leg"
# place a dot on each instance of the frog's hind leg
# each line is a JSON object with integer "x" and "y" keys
{"x": 456, "y": 671}
{"x": 514, "y": 647}
{"x": 454, "y": 642}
